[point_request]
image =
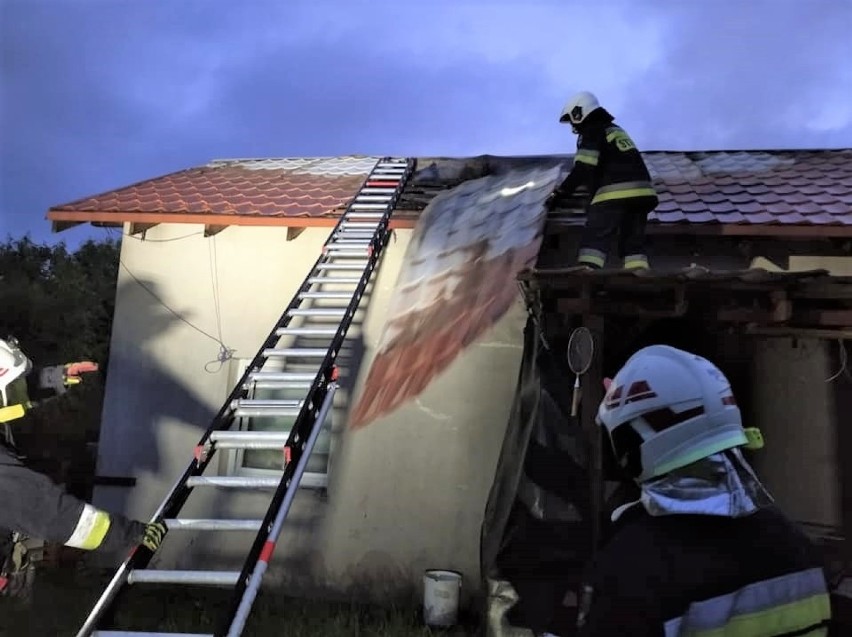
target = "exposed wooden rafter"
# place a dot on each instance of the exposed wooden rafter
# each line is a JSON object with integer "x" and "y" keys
{"x": 292, "y": 233}
{"x": 59, "y": 226}
{"x": 140, "y": 228}
{"x": 211, "y": 230}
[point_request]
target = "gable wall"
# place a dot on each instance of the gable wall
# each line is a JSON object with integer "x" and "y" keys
{"x": 406, "y": 493}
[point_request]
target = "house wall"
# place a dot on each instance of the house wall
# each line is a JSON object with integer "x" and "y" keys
{"x": 405, "y": 493}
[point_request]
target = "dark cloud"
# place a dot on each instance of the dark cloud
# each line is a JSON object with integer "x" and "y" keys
{"x": 99, "y": 94}
{"x": 757, "y": 74}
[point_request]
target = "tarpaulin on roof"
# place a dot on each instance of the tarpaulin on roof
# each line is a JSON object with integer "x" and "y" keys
{"x": 458, "y": 279}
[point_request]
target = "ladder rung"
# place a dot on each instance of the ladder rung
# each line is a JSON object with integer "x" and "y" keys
{"x": 368, "y": 206}
{"x": 284, "y": 377}
{"x": 325, "y": 295}
{"x": 319, "y": 311}
{"x": 250, "y": 439}
{"x": 362, "y": 198}
{"x": 347, "y": 246}
{"x": 309, "y": 481}
{"x": 261, "y": 411}
{"x": 191, "y": 524}
{"x": 312, "y": 331}
{"x": 342, "y": 266}
{"x": 136, "y": 633}
{"x": 198, "y": 578}
{"x": 348, "y": 236}
{"x": 357, "y": 214}
{"x": 300, "y": 352}
{"x": 359, "y": 225}
{"x": 327, "y": 280}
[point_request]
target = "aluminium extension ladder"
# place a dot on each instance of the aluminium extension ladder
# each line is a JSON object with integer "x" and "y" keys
{"x": 348, "y": 259}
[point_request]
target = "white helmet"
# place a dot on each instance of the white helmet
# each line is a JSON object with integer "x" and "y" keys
{"x": 13, "y": 365}
{"x": 578, "y": 108}
{"x": 667, "y": 408}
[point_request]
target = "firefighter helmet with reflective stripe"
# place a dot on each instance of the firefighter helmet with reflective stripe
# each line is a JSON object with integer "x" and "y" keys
{"x": 667, "y": 408}
{"x": 578, "y": 108}
{"x": 13, "y": 365}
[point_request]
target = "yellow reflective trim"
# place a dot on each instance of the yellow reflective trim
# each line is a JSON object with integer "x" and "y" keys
{"x": 629, "y": 193}
{"x": 621, "y": 139}
{"x": 636, "y": 263}
{"x": 591, "y": 161}
{"x": 91, "y": 529}
{"x": 773, "y": 621}
{"x": 12, "y": 412}
{"x": 592, "y": 259}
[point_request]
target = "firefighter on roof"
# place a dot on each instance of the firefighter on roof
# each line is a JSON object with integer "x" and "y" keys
{"x": 703, "y": 551}
{"x": 620, "y": 192}
{"x": 32, "y": 505}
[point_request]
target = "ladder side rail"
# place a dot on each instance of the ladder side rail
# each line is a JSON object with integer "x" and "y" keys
{"x": 246, "y": 601}
{"x": 304, "y": 424}
{"x": 178, "y": 494}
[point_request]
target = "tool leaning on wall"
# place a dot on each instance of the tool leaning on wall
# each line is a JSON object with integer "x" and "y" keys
{"x": 33, "y": 505}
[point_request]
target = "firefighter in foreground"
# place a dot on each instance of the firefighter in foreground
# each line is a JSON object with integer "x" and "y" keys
{"x": 703, "y": 551}
{"x": 33, "y": 505}
{"x": 621, "y": 195}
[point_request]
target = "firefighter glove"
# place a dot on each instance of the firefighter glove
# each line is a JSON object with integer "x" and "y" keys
{"x": 154, "y": 534}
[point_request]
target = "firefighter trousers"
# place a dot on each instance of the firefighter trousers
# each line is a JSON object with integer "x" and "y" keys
{"x": 625, "y": 219}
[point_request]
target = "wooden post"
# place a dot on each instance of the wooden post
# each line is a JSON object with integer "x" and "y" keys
{"x": 592, "y": 393}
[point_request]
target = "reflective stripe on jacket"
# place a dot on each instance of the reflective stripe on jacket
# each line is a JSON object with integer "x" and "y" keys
{"x": 707, "y": 576}
{"x": 785, "y": 604}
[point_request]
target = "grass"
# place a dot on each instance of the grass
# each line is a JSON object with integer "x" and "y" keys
{"x": 62, "y": 598}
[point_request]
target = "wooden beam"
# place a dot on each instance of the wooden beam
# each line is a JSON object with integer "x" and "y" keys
{"x": 592, "y": 393}
{"x": 59, "y": 226}
{"x": 797, "y": 332}
{"x": 749, "y": 315}
{"x": 839, "y": 290}
{"x": 140, "y": 228}
{"x": 628, "y": 308}
{"x": 211, "y": 230}
{"x": 833, "y": 318}
{"x": 292, "y": 233}
{"x": 401, "y": 219}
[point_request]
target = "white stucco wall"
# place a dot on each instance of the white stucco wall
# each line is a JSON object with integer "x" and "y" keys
{"x": 406, "y": 493}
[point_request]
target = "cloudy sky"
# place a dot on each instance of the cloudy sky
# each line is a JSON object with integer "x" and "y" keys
{"x": 97, "y": 94}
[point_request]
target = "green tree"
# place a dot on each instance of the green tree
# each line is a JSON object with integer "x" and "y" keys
{"x": 59, "y": 304}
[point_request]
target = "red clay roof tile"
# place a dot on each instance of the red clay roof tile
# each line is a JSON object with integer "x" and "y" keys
{"x": 699, "y": 187}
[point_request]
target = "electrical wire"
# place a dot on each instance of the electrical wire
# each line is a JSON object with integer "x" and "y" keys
{"x": 146, "y": 240}
{"x": 225, "y": 353}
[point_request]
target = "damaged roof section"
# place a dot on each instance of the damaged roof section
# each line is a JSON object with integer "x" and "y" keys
{"x": 812, "y": 188}
{"x": 457, "y": 279}
{"x": 754, "y": 300}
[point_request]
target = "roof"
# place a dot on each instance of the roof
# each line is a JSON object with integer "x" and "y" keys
{"x": 457, "y": 279}
{"x": 258, "y": 188}
{"x": 806, "y": 189}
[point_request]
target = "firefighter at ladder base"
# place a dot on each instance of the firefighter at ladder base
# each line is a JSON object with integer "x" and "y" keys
{"x": 621, "y": 195}
{"x": 703, "y": 551}
{"x": 32, "y": 504}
